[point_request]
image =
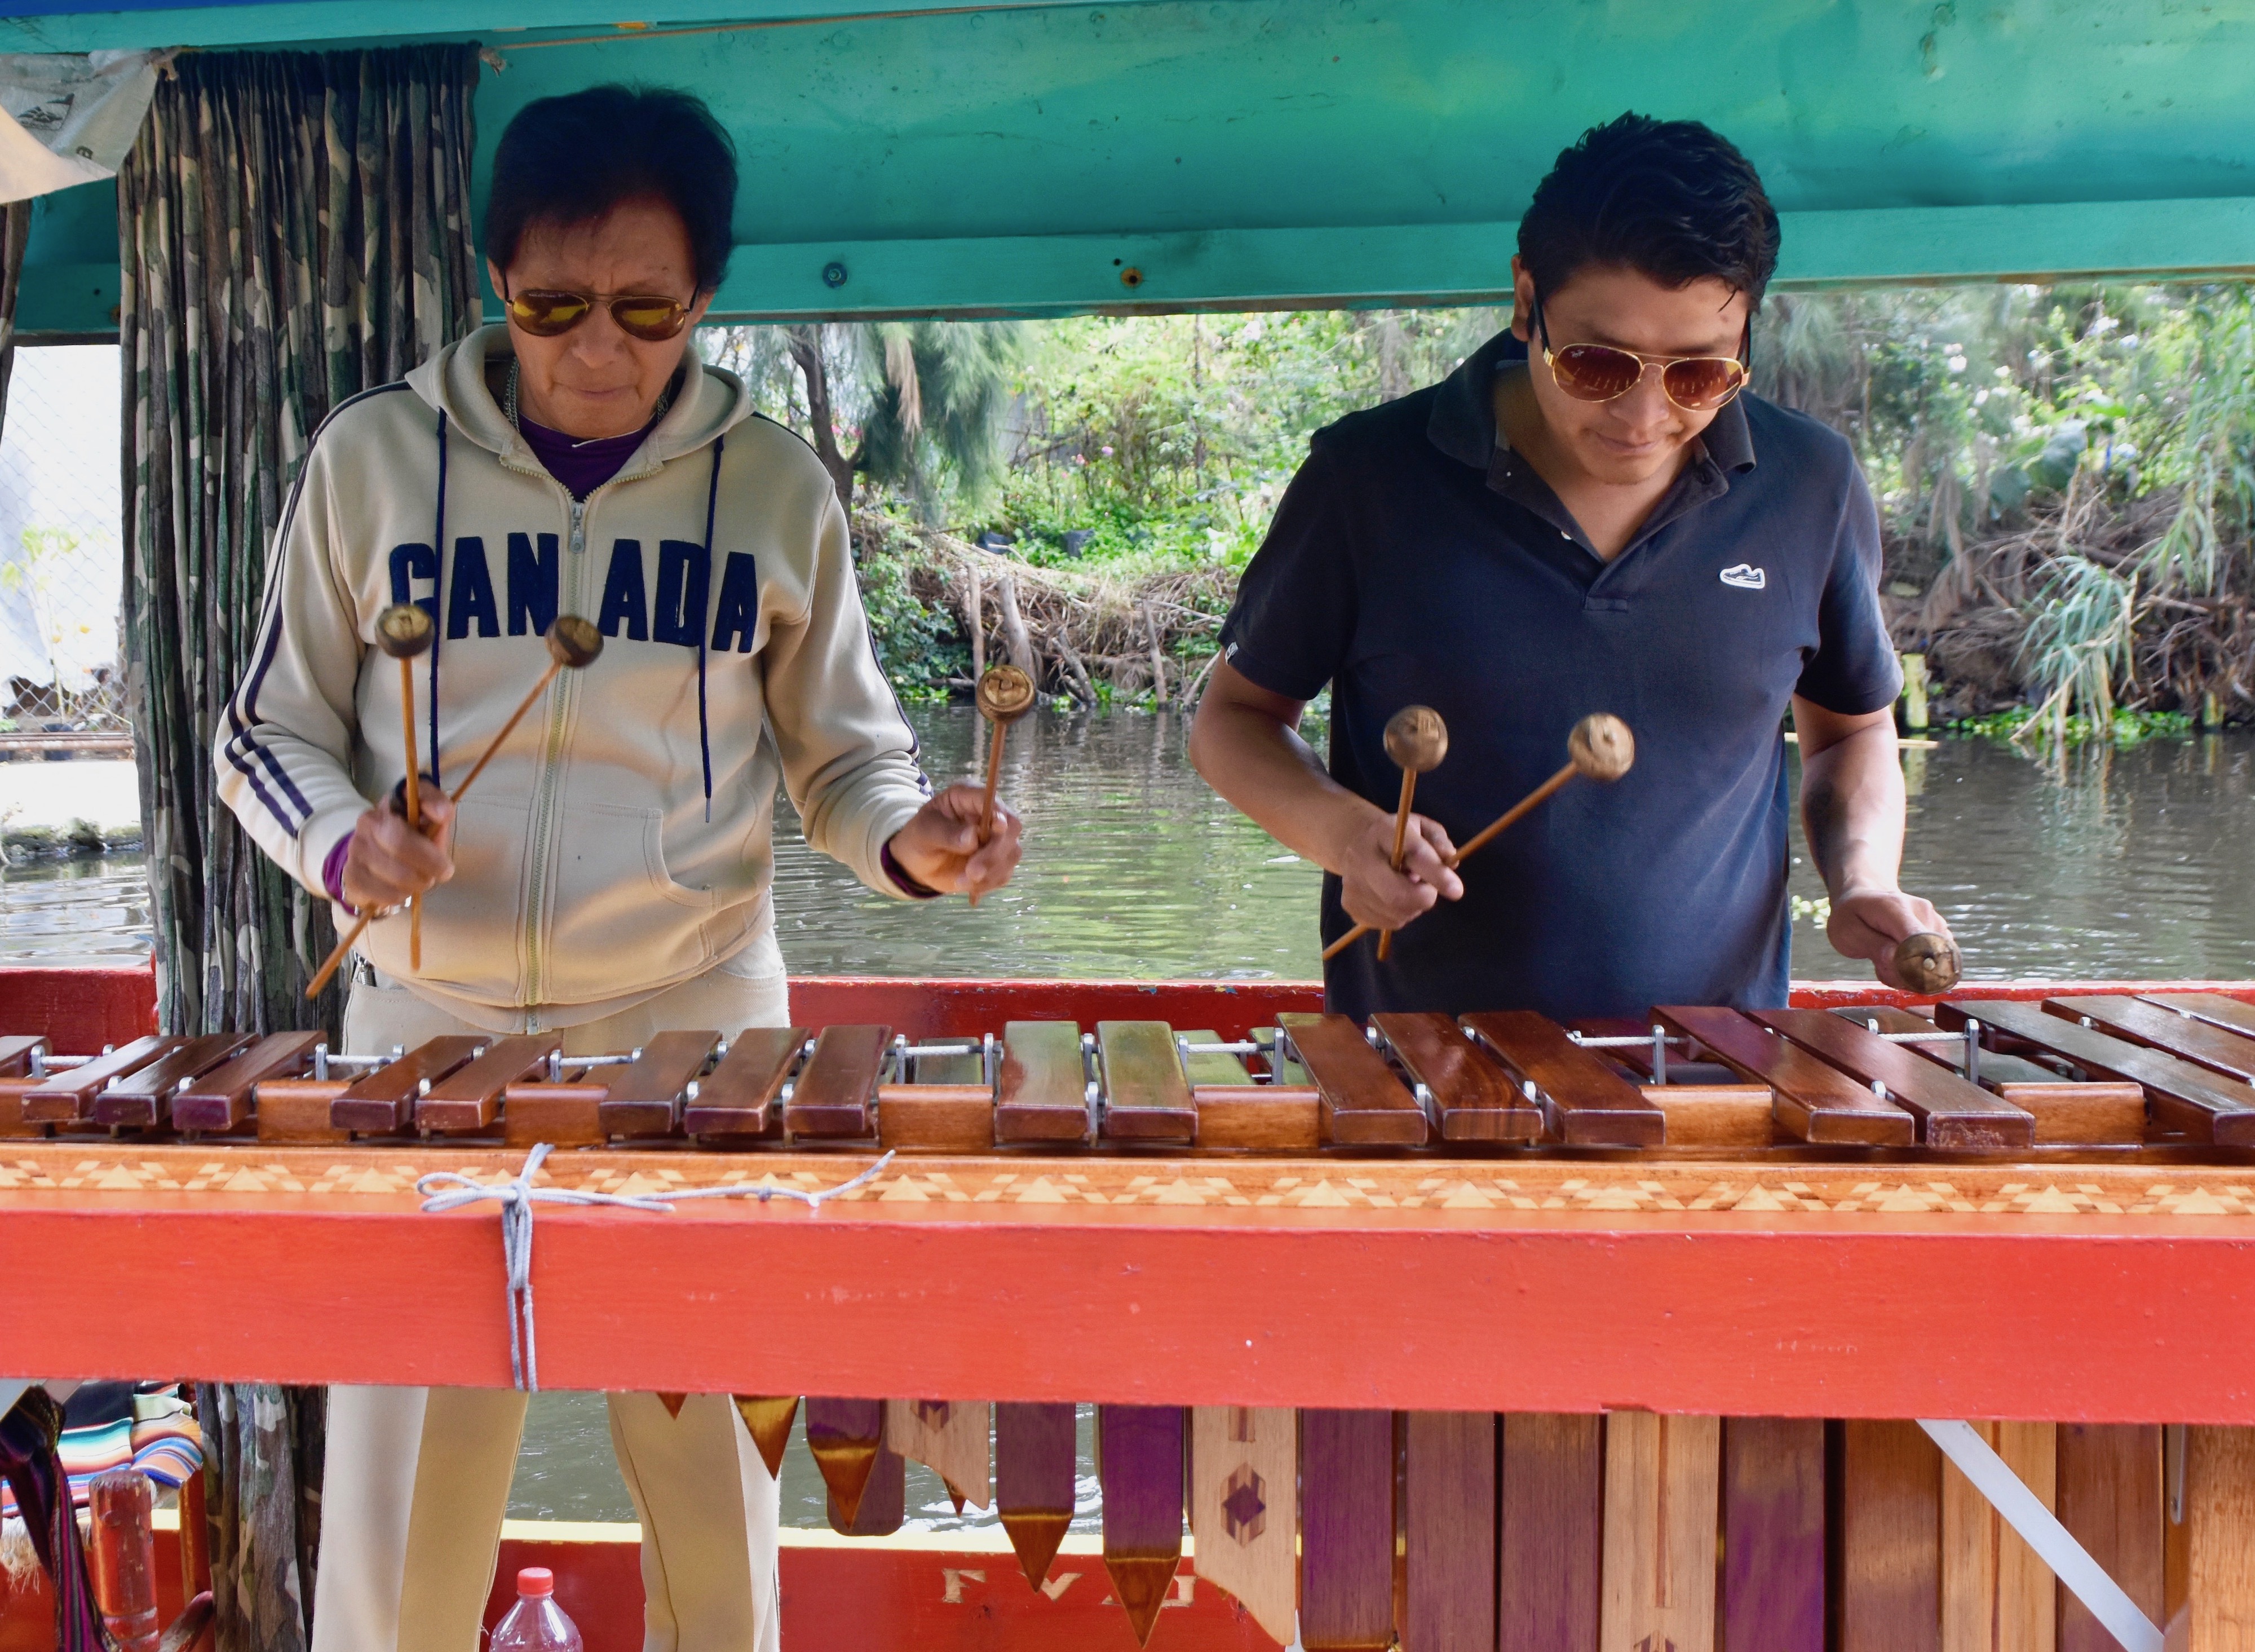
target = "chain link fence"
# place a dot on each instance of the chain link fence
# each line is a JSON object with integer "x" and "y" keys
{"x": 62, "y": 566}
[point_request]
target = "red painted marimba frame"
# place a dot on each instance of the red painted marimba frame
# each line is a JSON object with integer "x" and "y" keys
{"x": 2081, "y": 1316}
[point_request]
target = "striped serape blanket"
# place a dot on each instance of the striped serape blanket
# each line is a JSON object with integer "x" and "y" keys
{"x": 107, "y": 1425}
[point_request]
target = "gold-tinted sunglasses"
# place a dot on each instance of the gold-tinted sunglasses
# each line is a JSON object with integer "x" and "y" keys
{"x": 649, "y": 317}
{"x": 1605, "y": 373}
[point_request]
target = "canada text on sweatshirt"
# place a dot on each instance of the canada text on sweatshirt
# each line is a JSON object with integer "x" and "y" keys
{"x": 619, "y": 843}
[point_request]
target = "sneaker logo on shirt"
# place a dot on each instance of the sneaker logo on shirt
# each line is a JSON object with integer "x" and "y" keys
{"x": 1745, "y": 577}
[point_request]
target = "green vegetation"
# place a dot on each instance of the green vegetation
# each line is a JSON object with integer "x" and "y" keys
{"x": 1170, "y": 440}
{"x": 2066, "y": 478}
{"x": 1125, "y": 468}
{"x": 2123, "y": 728}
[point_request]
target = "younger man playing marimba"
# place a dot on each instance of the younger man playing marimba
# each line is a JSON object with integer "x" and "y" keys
{"x": 612, "y": 876}
{"x": 1590, "y": 515}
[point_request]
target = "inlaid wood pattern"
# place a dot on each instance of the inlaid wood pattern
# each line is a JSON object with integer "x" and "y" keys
{"x": 1656, "y": 1186}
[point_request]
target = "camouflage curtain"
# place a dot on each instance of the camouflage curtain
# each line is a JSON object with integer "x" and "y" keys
{"x": 294, "y": 228}
{"x": 263, "y": 1457}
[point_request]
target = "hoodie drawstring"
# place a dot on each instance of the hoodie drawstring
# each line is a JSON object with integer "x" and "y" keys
{"x": 438, "y": 597}
{"x": 704, "y": 729}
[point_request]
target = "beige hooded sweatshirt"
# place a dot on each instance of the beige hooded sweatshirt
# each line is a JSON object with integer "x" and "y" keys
{"x": 619, "y": 843}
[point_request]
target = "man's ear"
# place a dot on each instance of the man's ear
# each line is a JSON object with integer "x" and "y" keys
{"x": 1522, "y": 301}
{"x": 500, "y": 281}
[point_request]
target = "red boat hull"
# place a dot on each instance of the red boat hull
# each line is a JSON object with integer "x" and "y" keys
{"x": 871, "y": 1596}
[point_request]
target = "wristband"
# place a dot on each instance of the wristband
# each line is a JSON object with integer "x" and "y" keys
{"x": 332, "y": 872}
{"x": 901, "y": 881}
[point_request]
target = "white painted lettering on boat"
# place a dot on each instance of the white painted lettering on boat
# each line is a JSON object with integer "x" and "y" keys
{"x": 952, "y": 1578}
{"x": 1055, "y": 1587}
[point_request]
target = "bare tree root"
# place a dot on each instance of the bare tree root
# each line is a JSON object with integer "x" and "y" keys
{"x": 1080, "y": 624}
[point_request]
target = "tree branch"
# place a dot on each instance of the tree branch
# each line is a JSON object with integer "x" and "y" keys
{"x": 806, "y": 350}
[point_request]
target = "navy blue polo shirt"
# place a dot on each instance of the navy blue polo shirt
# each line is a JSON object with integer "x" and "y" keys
{"x": 1415, "y": 560}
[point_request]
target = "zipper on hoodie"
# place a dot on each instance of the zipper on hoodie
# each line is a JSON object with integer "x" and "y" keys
{"x": 552, "y": 763}
{"x": 572, "y": 589}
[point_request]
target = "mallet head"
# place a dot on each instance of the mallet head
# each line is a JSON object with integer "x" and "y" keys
{"x": 1601, "y": 746}
{"x": 1005, "y": 694}
{"x": 1927, "y": 963}
{"x": 404, "y": 630}
{"x": 1416, "y": 739}
{"x": 572, "y": 641}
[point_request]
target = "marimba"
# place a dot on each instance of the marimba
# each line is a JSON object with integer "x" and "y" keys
{"x": 2159, "y": 1079}
{"x": 1477, "y": 1333}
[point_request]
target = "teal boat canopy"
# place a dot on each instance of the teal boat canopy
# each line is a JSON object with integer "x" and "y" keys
{"x": 1041, "y": 158}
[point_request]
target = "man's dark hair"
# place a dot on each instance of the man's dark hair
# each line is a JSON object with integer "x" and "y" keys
{"x": 1671, "y": 200}
{"x": 569, "y": 160}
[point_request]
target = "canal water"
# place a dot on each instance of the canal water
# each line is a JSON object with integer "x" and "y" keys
{"x": 2133, "y": 863}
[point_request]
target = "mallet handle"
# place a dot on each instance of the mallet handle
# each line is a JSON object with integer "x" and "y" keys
{"x": 993, "y": 779}
{"x": 337, "y": 956}
{"x": 414, "y": 798}
{"x": 1401, "y": 836}
{"x": 509, "y": 728}
{"x": 414, "y": 808}
{"x": 1510, "y": 817}
{"x": 1524, "y": 806}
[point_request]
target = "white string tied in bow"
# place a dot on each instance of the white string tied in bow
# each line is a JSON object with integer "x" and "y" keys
{"x": 449, "y": 1189}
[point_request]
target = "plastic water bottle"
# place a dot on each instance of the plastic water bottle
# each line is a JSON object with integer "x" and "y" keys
{"x": 536, "y": 1623}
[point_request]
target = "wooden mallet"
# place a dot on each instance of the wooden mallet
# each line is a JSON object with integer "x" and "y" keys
{"x": 1416, "y": 739}
{"x": 572, "y": 643}
{"x": 405, "y": 631}
{"x": 1929, "y": 963}
{"x": 1600, "y": 748}
{"x": 1005, "y": 694}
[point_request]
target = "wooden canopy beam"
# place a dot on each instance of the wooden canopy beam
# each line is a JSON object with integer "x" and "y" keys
{"x": 1031, "y": 158}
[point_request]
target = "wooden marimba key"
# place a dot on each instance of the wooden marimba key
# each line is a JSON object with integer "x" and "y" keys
{"x": 2117, "y": 1075}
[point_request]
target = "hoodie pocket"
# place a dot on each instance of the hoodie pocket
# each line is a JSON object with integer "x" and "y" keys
{"x": 618, "y": 921}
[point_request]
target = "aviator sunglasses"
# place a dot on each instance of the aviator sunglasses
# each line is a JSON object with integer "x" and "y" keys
{"x": 649, "y": 317}
{"x": 1605, "y": 373}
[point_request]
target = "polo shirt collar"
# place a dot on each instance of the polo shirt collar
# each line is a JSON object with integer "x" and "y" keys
{"x": 1463, "y": 421}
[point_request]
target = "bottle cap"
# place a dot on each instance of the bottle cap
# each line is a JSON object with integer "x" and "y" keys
{"x": 536, "y": 1580}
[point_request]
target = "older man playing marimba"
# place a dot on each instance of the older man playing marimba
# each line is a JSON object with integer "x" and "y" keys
{"x": 610, "y": 878}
